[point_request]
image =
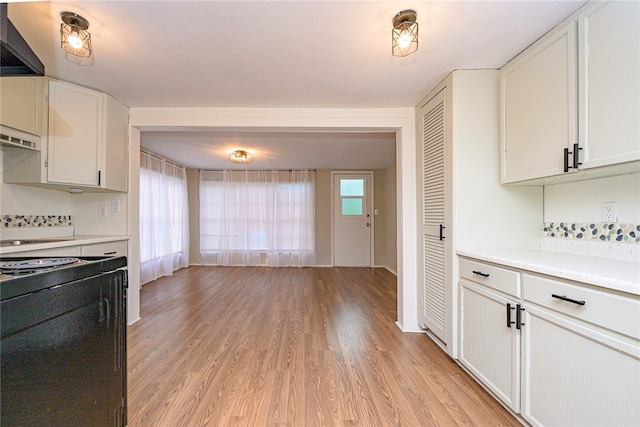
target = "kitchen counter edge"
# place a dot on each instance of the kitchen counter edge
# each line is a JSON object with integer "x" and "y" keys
{"x": 623, "y": 276}
{"x": 79, "y": 240}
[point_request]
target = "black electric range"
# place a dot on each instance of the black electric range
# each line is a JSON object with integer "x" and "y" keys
{"x": 22, "y": 275}
{"x": 63, "y": 333}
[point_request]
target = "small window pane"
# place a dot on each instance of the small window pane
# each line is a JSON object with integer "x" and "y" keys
{"x": 352, "y": 187}
{"x": 351, "y": 206}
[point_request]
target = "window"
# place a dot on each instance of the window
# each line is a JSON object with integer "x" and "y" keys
{"x": 351, "y": 196}
{"x": 164, "y": 217}
{"x": 257, "y": 217}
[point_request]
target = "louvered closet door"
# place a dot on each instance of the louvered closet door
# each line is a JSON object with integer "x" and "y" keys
{"x": 431, "y": 206}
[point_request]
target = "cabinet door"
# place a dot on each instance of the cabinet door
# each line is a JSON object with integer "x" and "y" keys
{"x": 431, "y": 205}
{"x": 75, "y": 135}
{"x": 538, "y": 108}
{"x": 609, "y": 83}
{"x": 488, "y": 347}
{"x": 21, "y": 103}
{"x": 116, "y": 160}
{"x": 575, "y": 376}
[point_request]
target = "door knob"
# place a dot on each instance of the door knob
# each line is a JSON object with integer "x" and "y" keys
{"x": 368, "y": 225}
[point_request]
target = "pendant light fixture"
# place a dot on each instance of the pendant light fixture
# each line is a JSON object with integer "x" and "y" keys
{"x": 240, "y": 157}
{"x": 404, "y": 36}
{"x": 74, "y": 37}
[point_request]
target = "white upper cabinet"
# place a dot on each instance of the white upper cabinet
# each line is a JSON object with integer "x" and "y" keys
{"x": 21, "y": 103}
{"x": 85, "y": 142}
{"x": 609, "y": 43}
{"x": 571, "y": 102}
{"x": 75, "y": 135}
{"x": 538, "y": 107}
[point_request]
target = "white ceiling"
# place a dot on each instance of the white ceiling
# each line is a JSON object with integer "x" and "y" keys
{"x": 275, "y": 54}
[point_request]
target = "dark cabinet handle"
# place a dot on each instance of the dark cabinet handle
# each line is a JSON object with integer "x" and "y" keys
{"x": 442, "y": 227}
{"x": 480, "y": 273}
{"x": 99, "y": 177}
{"x": 564, "y": 298}
{"x": 110, "y": 253}
{"x": 576, "y": 156}
{"x": 519, "y": 311}
{"x": 509, "y": 322}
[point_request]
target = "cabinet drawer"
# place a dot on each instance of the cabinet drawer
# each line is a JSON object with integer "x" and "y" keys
{"x": 611, "y": 311}
{"x": 494, "y": 277}
{"x": 118, "y": 248}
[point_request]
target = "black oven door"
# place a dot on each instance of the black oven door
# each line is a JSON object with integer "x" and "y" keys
{"x": 63, "y": 354}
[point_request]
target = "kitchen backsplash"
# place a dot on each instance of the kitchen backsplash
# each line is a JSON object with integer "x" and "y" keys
{"x": 602, "y": 232}
{"x": 26, "y": 221}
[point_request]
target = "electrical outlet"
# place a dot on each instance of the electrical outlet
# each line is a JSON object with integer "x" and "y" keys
{"x": 115, "y": 205}
{"x": 609, "y": 212}
{"x": 102, "y": 211}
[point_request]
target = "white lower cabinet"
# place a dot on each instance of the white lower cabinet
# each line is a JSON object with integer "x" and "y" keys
{"x": 575, "y": 376}
{"x": 489, "y": 346}
{"x": 560, "y": 353}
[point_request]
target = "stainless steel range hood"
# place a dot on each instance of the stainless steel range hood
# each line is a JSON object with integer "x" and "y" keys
{"x": 17, "y": 58}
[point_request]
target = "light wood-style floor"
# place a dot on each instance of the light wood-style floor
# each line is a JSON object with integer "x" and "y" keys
{"x": 256, "y": 346}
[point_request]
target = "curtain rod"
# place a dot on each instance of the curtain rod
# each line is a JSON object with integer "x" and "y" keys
{"x": 159, "y": 157}
{"x": 257, "y": 170}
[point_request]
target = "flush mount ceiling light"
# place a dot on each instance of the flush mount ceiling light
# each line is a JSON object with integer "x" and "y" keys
{"x": 240, "y": 157}
{"x": 74, "y": 37}
{"x": 404, "y": 36}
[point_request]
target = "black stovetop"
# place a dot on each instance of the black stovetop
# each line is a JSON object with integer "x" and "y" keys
{"x": 21, "y": 281}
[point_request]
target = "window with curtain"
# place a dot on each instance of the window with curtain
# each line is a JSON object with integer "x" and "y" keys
{"x": 257, "y": 218}
{"x": 164, "y": 217}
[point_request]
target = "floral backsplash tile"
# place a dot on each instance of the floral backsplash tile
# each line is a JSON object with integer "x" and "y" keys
{"x": 25, "y": 221}
{"x": 603, "y": 231}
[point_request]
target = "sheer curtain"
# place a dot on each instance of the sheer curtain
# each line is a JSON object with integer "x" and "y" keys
{"x": 164, "y": 217}
{"x": 257, "y": 218}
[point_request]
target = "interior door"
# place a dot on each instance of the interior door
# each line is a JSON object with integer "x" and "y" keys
{"x": 431, "y": 214}
{"x": 352, "y": 221}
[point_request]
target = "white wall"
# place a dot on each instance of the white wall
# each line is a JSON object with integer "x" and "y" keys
{"x": 18, "y": 199}
{"x": 582, "y": 201}
{"x": 21, "y": 200}
{"x": 84, "y": 214}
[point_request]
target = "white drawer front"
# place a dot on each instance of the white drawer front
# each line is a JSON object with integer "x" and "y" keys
{"x": 611, "y": 311}
{"x": 494, "y": 277}
{"x": 118, "y": 248}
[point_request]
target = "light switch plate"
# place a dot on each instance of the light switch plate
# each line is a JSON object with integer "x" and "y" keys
{"x": 102, "y": 211}
{"x": 115, "y": 205}
{"x": 609, "y": 212}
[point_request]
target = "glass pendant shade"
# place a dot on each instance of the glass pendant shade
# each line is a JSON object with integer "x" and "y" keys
{"x": 404, "y": 36}
{"x": 74, "y": 37}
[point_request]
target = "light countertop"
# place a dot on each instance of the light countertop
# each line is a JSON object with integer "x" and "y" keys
{"x": 77, "y": 240}
{"x": 607, "y": 273}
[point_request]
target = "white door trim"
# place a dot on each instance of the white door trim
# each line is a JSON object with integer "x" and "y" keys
{"x": 370, "y": 208}
{"x": 402, "y": 121}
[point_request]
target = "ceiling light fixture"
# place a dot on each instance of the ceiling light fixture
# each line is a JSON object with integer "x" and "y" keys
{"x": 240, "y": 157}
{"x": 74, "y": 37}
{"x": 404, "y": 36}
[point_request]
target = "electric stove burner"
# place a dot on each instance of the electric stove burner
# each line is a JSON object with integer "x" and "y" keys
{"x": 36, "y": 264}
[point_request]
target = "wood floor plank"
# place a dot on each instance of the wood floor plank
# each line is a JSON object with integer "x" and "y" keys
{"x": 257, "y": 346}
